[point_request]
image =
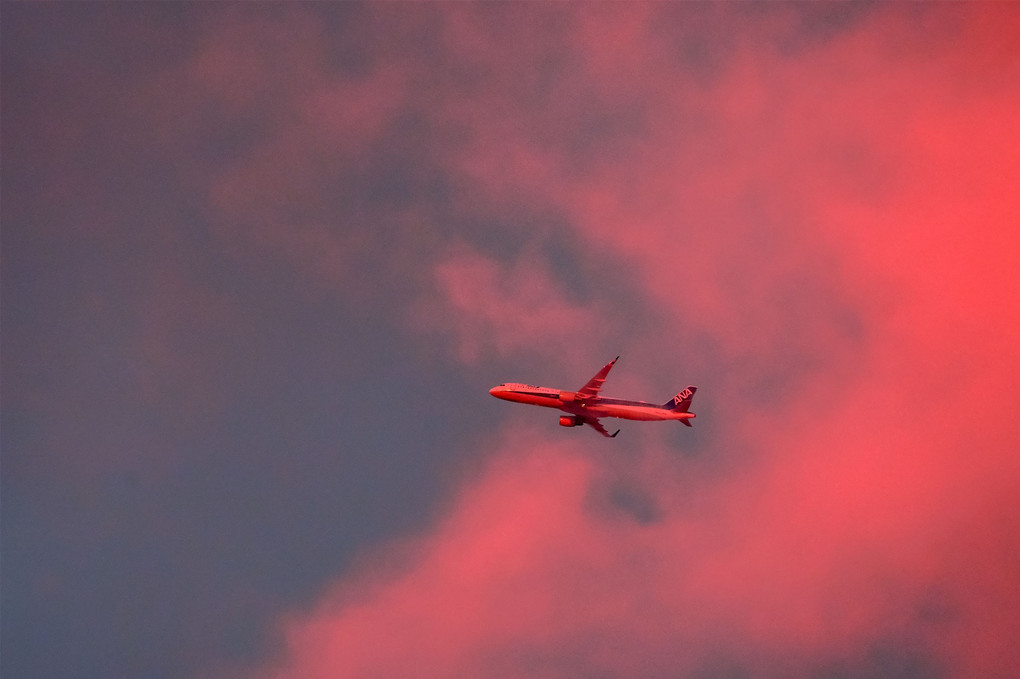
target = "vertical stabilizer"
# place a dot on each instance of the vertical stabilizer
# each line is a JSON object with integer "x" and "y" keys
{"x": 681, "y": 403}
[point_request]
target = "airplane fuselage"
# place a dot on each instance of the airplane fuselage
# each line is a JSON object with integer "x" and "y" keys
{"x": 586, "y": 407}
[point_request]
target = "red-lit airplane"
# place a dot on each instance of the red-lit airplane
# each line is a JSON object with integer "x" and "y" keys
{"x": 586, "y": 406}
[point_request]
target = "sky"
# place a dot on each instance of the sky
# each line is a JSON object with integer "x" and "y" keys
{"x": 262, "y": 263}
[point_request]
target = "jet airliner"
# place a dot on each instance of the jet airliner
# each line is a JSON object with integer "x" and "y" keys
{"x": 585, "y": 406}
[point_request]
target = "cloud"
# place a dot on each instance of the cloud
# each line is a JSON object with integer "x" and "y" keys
{"x": 494, "y": 591}
{"x": 836, "y": 215}
{"x": 813, "y": 208}
{"x": 490, "y": 308}
{"x": 540, "y": 568}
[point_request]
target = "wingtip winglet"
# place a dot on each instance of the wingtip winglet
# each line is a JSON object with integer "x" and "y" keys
{"x": 614, "y": 434}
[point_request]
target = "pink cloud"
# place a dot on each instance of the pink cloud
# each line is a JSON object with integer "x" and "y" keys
{"x": 505, "y": 574}
{"x": 790, "y": 561}
{"x": 490, "y": 308}
{"x": 848, "y": 207}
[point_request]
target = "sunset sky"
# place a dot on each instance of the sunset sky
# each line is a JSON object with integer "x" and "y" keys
{"x": 262, "y": 263}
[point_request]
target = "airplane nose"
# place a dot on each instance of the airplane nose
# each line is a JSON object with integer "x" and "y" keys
{"x": 493, "y": 390}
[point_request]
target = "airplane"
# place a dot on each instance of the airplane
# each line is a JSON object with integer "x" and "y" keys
{"x": 585, "y": 406}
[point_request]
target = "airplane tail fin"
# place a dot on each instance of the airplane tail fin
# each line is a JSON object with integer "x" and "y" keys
{"x": 681, "y": 403}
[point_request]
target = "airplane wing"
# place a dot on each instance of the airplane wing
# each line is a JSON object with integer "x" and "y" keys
{"x": 597, "y": 426}
{"x": 591, "y": 389}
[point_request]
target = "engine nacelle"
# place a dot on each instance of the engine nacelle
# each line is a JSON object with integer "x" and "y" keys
{"x": 570, "y": 421}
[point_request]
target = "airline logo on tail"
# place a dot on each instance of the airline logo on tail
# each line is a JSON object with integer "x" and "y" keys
{"x": 684, "y": 398}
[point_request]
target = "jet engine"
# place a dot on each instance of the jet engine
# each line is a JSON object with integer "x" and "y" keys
{"x": 570, "y": 421}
